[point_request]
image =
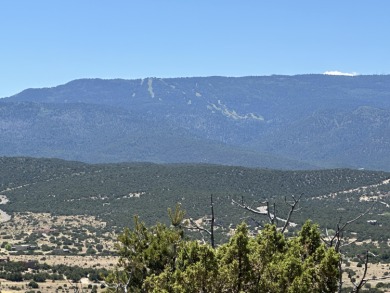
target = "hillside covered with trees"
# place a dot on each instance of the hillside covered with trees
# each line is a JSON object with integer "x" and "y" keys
{"x": 115, "y": 192}
{"x": 284, "y": 122}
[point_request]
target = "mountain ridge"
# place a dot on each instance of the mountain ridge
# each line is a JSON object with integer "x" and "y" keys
{"x": 308, "y": 121}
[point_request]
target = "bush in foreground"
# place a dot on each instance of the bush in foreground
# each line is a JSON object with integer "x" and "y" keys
{"x": 159, "y": 259}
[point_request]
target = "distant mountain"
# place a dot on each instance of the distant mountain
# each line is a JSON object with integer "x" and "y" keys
{"x": 285, "y": 122}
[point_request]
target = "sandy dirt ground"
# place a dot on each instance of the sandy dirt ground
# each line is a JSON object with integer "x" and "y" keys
{"x": 376, "y": 271}
{"x": 46, "y": 287}
{"x": 70, "y": 260}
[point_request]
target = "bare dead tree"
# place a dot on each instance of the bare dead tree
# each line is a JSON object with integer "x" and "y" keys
{"x": 212, "y": 222}
{"x": 358, "y": 285}
{"x": 293, "y": 208}
{"x": 196, "y": 227}
{"x": 210, "y": 232}
{"x": 337, "y": 241}
{"x": 273, "y": 219}
{"x": 254, "y": 211}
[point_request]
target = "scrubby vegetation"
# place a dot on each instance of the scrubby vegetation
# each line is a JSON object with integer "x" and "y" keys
{"x": 160, "y": 259}
{"x": 86, "y": 206}
{"x": 18, "y": 271}
{"x": 113, "y": 193}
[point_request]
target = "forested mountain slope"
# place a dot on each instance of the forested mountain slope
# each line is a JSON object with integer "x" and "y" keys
{"x": 289, "y": 122}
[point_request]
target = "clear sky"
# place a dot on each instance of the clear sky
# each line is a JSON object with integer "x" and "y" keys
{"x": 44, "y": 43}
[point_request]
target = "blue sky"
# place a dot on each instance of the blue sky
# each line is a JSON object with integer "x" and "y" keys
{"x": 46, "y": 43}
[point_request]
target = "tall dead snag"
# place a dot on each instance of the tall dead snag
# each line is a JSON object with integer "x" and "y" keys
{"x": 210, "y": 232}
{"x": 273, "y": 219}
{"x": 359, "y": 285}
{"x": 293, "y": 208}
{"x": 212, "y": 222}
{"x": 337, "y": 242}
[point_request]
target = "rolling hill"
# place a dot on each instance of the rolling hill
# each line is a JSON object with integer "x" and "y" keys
{"x": 116, "y": 192}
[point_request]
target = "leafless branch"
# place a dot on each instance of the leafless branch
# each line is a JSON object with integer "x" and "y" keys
{"x": 248, "y": 208}
{"x": 212, "y": 222}
{"x": 348, "y": 243}
{"x": 195, "y": 226}
{"x": 273, "y": 219}
{"x": 360, "y": 284}
{"x": 292, "y": 209}
{"x": 335, "y": 241}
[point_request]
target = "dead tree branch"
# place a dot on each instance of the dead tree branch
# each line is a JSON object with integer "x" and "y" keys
{"x": 212, "y": 222}
{"x": 358, "y": 285}
{"x": 273, "y": 219}
{"x": 195, "y": 226}
{"x": 248, "y": 208}
{"x": 335, "y": 241}
{"x": 293, "y": 206}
